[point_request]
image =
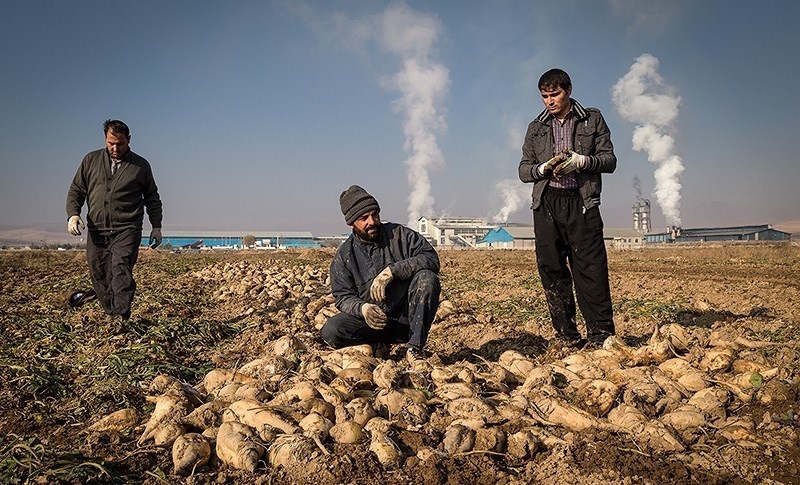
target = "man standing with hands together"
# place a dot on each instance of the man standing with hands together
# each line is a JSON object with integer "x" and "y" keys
{"x": 567, "y": 148}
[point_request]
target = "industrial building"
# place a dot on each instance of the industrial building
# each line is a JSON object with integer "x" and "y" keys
{"x": 235, "y": 239}
{"x": 508, "y": 237}
{"x": 453, "y": 232}
{"x": 522, "y": 237}
{"x": 622, "y": 238}
{"x": 475, "y": 232}
{"x": 641, "y": 216}
{"x": 763, "y": 232}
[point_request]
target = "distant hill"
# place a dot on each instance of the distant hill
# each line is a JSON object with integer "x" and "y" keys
{"x": 790, "y": 226}
{"x": 39, "y": 236}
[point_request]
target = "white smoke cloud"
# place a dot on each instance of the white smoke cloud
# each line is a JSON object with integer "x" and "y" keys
{"x": 422, "y": 81}
{"x": 423, "y": 84}
{"x": 513, "y": 195}
{"x": 642, "y": 97}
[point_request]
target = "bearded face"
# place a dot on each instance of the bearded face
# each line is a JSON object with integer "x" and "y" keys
{"x": 368, "y": 226}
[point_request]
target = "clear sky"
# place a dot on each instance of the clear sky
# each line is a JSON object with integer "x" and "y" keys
{"x": 255, "y": 115}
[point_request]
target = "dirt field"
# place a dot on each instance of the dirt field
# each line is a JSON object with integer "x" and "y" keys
{"x": 61, "y": 370}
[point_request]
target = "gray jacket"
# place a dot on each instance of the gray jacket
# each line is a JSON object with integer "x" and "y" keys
{"x": 591, "y": 137}
{"x": 114, "y": 201}
{"x": 358, "y": 262}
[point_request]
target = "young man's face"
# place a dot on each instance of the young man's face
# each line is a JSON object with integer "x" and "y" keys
{"x": 367, "y": 227}
{"x": 556, "y": 100}
{"x": 117, "y": 145}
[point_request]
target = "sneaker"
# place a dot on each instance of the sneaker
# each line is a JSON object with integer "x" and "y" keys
{"x": 415, "y": 357}
{"x": 78, "y": 298}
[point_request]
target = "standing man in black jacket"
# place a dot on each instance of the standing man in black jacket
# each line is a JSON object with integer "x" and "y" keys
{"x": 385, "y": 280}
{"x": 117, "y": 186}
{"x": 567, "y": 148}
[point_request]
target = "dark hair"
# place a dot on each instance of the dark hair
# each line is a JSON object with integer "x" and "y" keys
{"x": 117, "y": 127}
{"x": 555, "y": 78}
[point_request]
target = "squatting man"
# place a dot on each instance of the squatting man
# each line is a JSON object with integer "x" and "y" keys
{"x": 385, "y": 281}
{"x": 117, "y": 186}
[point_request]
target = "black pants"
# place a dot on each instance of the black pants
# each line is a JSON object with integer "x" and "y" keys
{"x": 410, "y": 326}
{"x": 111, "y": 257}
{"x": 567, "y": 233}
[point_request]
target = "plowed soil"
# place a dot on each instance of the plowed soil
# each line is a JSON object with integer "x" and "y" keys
{"x": 62, "y": 369}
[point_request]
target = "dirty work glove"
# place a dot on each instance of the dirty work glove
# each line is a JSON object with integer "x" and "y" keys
{"x": 374, "y": 316}
{"x": 378, "y": 289}
{"x": 573, "y": 163}
{"x": 75, "y": 225}
{"x": 550, "y": 165}
{"x": 155, "y": 238}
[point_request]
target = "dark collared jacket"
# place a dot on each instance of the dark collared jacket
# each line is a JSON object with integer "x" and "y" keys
{"x": 357, "y": 262}
{"x": 114, "y": 201}
{"x": 591, "y": 137}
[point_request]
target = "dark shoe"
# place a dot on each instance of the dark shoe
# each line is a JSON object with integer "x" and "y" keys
{"x": 416, "y": 358}
{"x": 78, "y": 298}
{"x": 569, "y": 344}
{"x": 600, "y": 338}
{"x": 591, "y": 345}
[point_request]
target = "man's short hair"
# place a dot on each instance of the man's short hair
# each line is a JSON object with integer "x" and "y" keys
{"x": 117, "y": 127}
{"x": 555, "y": 78}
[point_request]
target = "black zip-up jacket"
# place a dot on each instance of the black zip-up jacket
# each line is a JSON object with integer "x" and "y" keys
{"x": 114, "y": 201}
{"x": 358, "y": 262}
{"x": 591, "y": 137}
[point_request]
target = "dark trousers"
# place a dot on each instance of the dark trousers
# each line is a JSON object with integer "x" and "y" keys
{"x": 111, "y": 257}
{"x": 410, "y": 326}
{"x": 567, "y": 233}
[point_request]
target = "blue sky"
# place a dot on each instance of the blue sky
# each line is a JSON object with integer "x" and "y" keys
{"x": 255, "y": 115}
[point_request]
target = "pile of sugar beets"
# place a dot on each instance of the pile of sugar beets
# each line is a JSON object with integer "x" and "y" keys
{"x": 288, "y": 406}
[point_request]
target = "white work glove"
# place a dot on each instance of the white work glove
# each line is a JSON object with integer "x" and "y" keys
{"x": 574, "y": 162}
{"x": 378, "y": 289}
{"x": 155, "y": 238}
{"x": 551, "y": 164}
{"x": 75, "y": 225}
{"x": 374, "y": 316}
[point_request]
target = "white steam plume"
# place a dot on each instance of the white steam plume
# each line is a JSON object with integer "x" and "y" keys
{"x": 423, "y": 84}
{"x": 513, "y": 194}
{"x": 642, "y": 97}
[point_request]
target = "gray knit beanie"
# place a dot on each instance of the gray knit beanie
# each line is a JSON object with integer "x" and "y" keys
{"x": 355, "y": 202}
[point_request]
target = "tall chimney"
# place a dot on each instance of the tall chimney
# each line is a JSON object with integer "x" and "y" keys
{"x": 641, "y": 216}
